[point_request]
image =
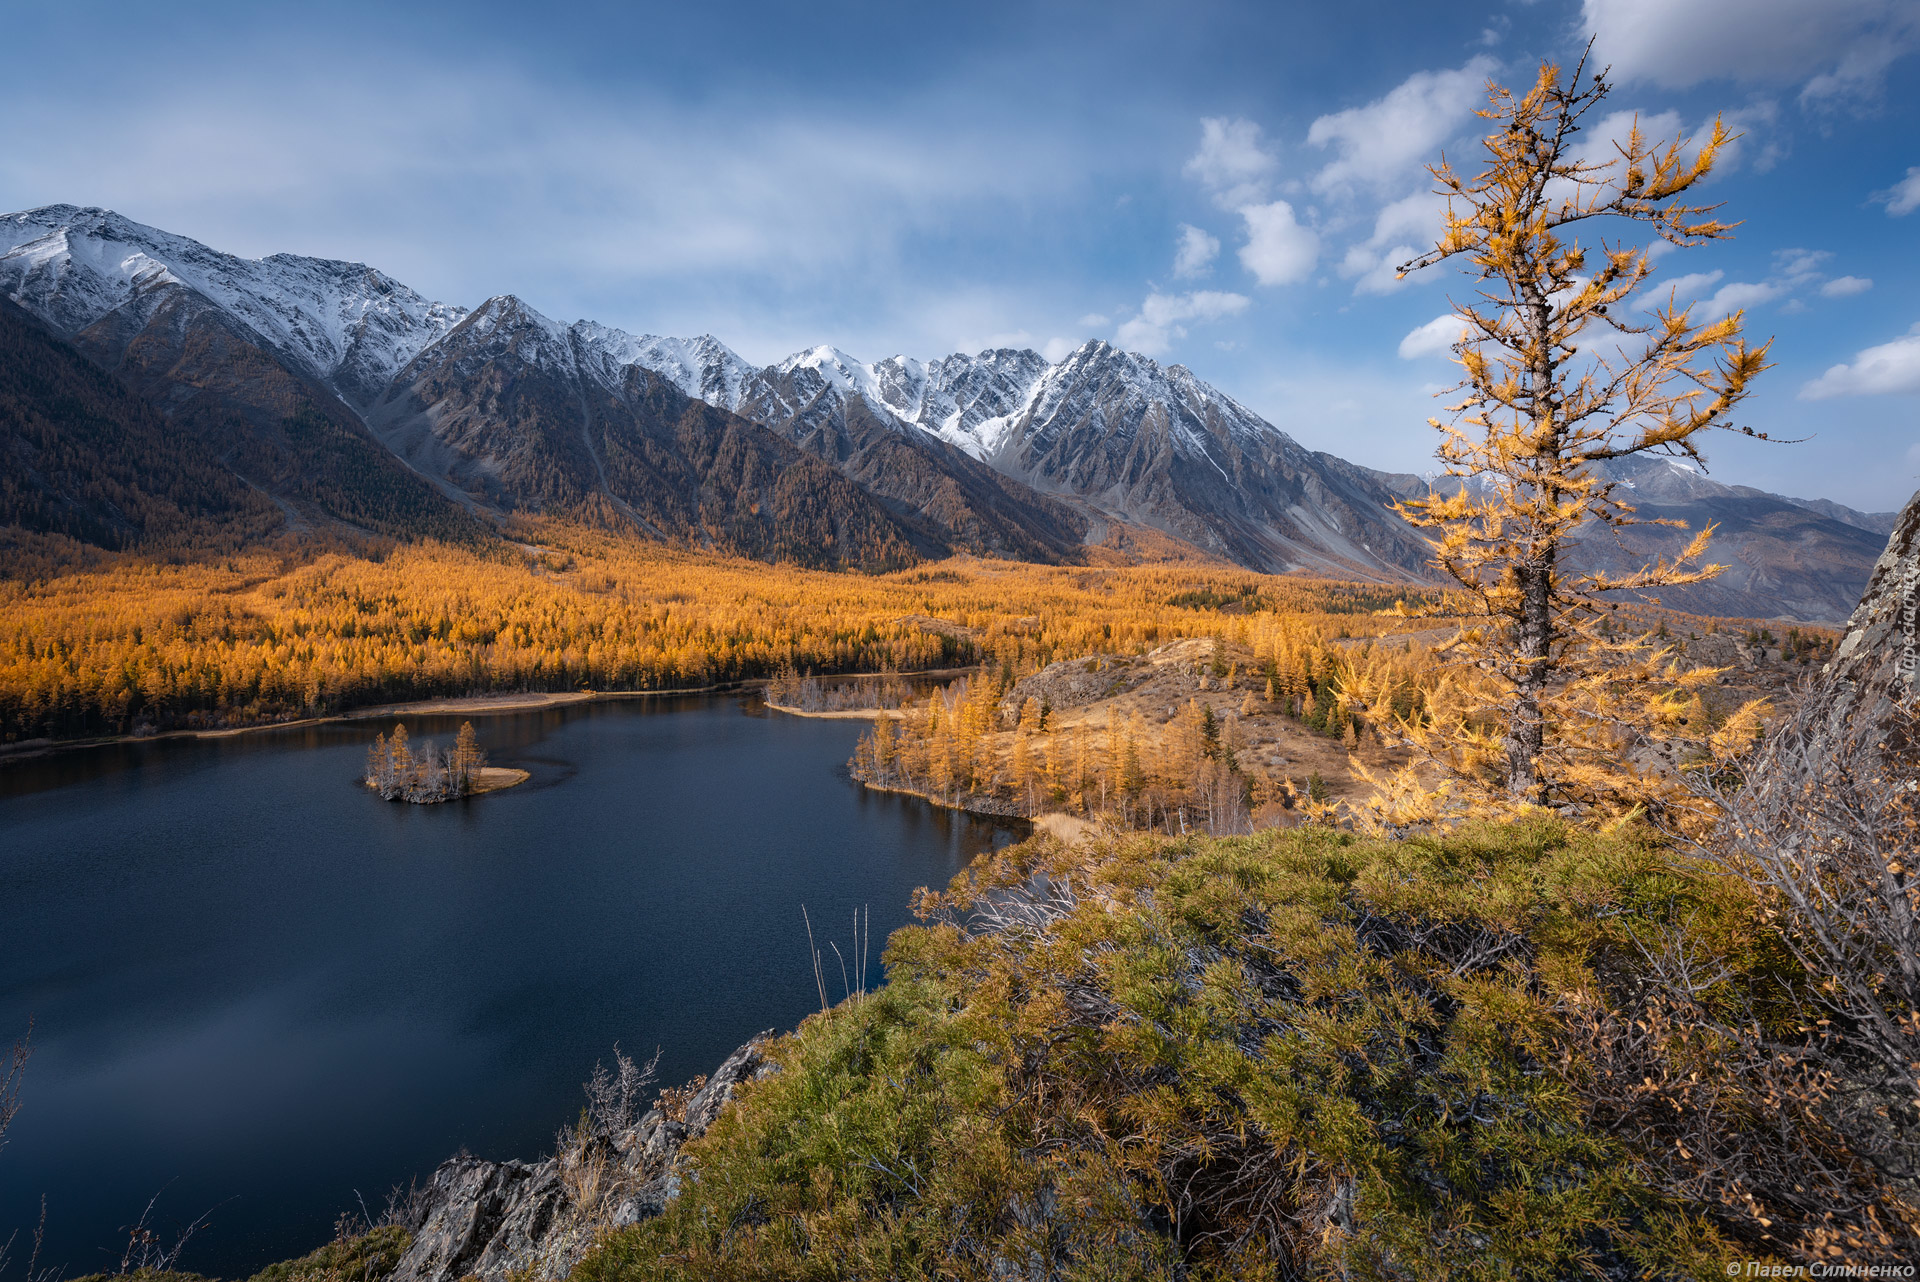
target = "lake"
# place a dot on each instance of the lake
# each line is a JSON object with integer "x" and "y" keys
{"x": 259, "y": 990}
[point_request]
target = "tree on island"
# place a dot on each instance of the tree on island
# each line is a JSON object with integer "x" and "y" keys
{"x": 398, "y": 773}
{"x": 1562, "y": 374}
{"x": 466, "y": 761}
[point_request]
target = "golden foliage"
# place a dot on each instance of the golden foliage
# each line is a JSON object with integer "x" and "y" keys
{"x": 1560, "y": 373}
{"x": 132, "y": 643}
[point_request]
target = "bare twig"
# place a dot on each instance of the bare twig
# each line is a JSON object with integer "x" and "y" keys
{"x": 10, "y": 1084}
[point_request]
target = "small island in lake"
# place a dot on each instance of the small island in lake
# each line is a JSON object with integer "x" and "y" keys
{"x": 398, "y": 772}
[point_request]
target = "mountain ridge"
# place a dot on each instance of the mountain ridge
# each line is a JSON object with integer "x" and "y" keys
{"x": 1001, "y": 452}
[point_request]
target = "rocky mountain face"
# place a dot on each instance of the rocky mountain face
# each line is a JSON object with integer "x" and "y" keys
{"x": 1783, "y": 557}
{"x": 246, "y": 357}
{"x": 348, "y": 397}
{"x": 1106, "y": 433}
{"x": 511, "y": 412}
{"x": 1877, "y": 664}
{"x": 1158, "y": 446}
{"x": 829, "y": 405}
{"x": 344, "y": 324}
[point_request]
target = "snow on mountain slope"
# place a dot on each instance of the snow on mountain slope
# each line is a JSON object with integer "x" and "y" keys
{"x": 1123, "y": 391}
{"x": 967, "y": 401}
{"x": 351, "y": 326}
{"x": 703, "y": 367}
{"x": 355, "y": 329}
{"x": 841, "y": 371}
{"x": 974, "y": 402}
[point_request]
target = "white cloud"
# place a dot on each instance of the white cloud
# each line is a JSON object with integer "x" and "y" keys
{"x": 1058, "y": 349}
{"x": 1388, "y": 142}
{"x": 1094, "y": 320}
{"x": 1904, "y": 198}
{"x": 1753, "y": 139}
{"x": 1279, "y": 251}
{"x": 1433, "y": 338}
{"x": 1799, "y": 266}
{"x": 1692, "y": 285}
{"x": 1600, "y": 143}
{"x": 1195, "y": 251}
{"x": 1419, "y": 217}
{"x": 1236, "y": 169}
{"x": 1379, "y": 144}
{"x": 1729, "y": 298}
{"x": 1836, "y": 48}
{"x": 1398, "y": 229}
{"x": 1737, "y": 295}
{"x": 1163, "y": 318}
{"x": 1378, "y": 270}
{"x": 1794, "y": 270}
{"x": 1232, "y": 163}
{"x": 1754, "y": 142}
{"x": 1877, "y": 371}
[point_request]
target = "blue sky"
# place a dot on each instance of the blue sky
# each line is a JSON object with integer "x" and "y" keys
{"x": 1214, "y": 184}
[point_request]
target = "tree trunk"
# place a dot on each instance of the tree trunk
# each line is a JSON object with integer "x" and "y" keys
{"x": 1533, "y": 630}
{"x": 1533, "y": 642}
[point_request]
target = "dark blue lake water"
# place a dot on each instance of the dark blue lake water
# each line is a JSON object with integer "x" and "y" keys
{"x": 258, "y": 988}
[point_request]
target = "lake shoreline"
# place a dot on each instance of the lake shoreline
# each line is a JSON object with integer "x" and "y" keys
{"x": 979, "y": 810}
{"x": 842, "y": 714}
{"x": 455, "y": 705}
{"x": 302, "y": 919}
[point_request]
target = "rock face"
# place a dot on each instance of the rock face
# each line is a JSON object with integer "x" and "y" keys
{"x": 536, "y": 1219}
{"x": 1877, "y": 664}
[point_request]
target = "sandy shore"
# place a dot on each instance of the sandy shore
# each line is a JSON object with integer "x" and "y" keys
{"x": 495, "y": 778}
{"x": 481, "y": 704}
{"x": 478, "y": 705}
{"x": 844, "y": 714}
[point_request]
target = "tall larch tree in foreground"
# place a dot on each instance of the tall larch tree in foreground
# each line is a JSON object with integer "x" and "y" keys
{"x": 1564, "y": 370}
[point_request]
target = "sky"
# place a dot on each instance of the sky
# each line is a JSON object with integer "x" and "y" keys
{"x": 1225, "y": 186}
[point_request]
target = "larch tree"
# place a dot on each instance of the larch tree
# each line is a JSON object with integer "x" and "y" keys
{"x": 1565, "y": 369}
{"x": 467, "y": 760}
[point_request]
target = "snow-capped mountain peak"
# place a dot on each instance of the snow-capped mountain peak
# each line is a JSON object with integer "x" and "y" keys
{"x": 843, "y": 372}
{"x": 348, "y": 324}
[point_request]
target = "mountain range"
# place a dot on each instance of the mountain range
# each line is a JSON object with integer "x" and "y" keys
{"x": 338, "y": 395}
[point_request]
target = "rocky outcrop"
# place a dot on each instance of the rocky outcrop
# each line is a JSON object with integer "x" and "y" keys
{"x": 1877, "y": 664}
{"x": 536, "y": 1219}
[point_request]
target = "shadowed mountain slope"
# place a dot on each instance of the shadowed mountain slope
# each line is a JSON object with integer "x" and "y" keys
{"x": 508, "y": 415}
{"x": 88, "y": 459}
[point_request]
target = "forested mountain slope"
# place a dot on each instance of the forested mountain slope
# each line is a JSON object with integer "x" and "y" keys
{"x": 87, "y": 458}
{"x": 1797, "y": 558}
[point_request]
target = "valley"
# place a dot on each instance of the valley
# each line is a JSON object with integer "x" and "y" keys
{"x": 1007, "y": 643}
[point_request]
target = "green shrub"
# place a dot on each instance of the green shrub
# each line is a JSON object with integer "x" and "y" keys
{"x": 1264, "y": 1057}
